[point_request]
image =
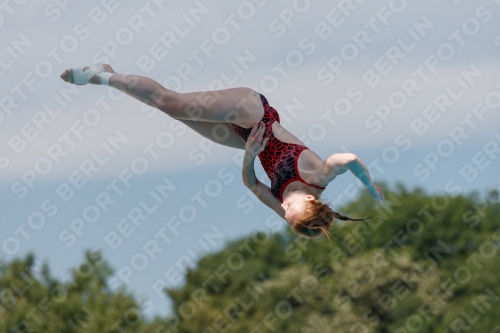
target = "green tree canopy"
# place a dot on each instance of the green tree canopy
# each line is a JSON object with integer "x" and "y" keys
{"x": 424, "y": 264}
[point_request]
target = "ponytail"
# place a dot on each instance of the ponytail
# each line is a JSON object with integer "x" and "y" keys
{"x": 345, "y": 218}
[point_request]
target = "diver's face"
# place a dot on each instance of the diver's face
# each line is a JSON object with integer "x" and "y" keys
{"x": 294, "y": 205}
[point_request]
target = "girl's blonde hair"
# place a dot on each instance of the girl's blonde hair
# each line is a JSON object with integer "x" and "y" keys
{"x": 317, "y": 219}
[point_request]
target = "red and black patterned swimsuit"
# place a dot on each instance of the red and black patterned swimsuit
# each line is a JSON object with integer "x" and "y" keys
{"x": 279, "y": 159}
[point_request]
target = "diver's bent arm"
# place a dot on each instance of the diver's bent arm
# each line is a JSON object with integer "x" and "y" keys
{"x": 261, "y": 190}
{"x": 337, "y": 164}
{"x": 358, "y": 168}
{"x": 248, "y": 171}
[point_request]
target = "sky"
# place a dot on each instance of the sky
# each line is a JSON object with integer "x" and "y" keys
{"x": 411, "y": 88}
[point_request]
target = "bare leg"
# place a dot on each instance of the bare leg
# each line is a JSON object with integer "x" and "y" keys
{"x": 150, "y": 92}
{"x": 221, "y": 133}
{"x": 146, "y": 90}
{"x": 240, "y": 106}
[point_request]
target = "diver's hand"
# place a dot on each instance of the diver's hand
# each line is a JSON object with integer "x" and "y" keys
{"x": 379, "y": 195}
{"x": 255, "y": 145}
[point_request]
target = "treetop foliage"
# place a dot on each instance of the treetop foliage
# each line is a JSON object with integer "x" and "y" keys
{"x": 424, "y": 264}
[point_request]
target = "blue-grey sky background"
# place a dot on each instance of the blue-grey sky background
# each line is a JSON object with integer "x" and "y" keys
{"x": 55, "y": 36}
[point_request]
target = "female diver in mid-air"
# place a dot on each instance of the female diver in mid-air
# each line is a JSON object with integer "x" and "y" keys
{"x": 298, "y": 175}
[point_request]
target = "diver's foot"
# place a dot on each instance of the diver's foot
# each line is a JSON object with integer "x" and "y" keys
{"x": 83, "y": 73}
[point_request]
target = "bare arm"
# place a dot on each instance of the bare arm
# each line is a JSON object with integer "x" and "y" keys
{"x": 337, "y": 164}
{"x": 253, "y": 147}
{"x": 248, "y": 171}
{"x": 261, "y": 191}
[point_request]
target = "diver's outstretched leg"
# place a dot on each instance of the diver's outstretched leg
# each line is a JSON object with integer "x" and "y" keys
{"x": 240, "y": 106}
